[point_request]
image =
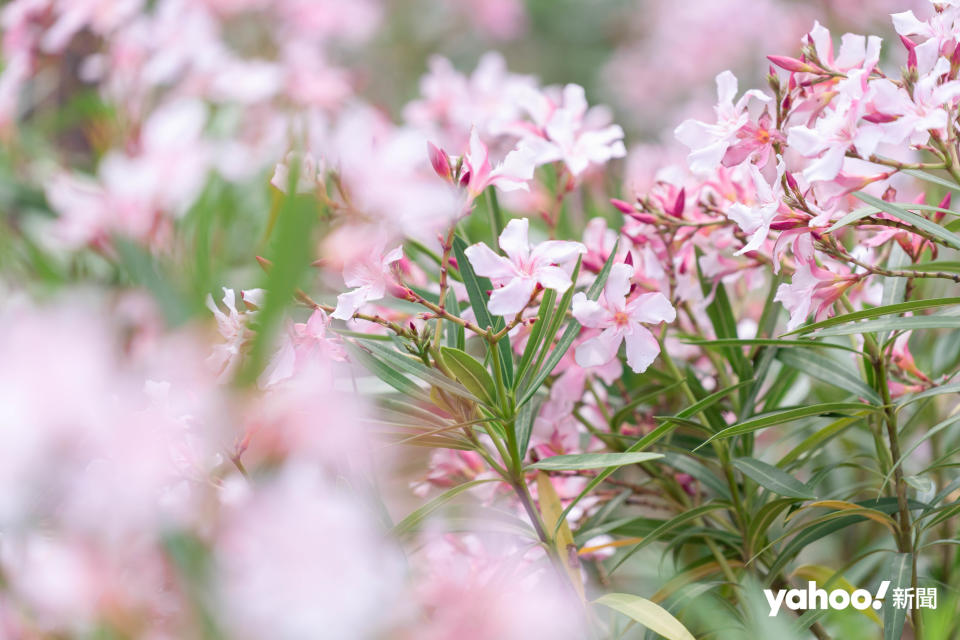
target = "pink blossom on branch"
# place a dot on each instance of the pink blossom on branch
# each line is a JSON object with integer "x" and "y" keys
{"x": 523, "y": 268}
{"x": 621, "y": 319}
{"x": 371, "y": 274}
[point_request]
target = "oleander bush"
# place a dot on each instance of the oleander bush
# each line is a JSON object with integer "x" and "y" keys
{"x": 311, "y": 332}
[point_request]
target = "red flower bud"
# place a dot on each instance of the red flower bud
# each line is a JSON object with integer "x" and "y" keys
{"x": 440, "y": 161}
{"x": 792, "y": 64}
{"x": 624, "y": 207}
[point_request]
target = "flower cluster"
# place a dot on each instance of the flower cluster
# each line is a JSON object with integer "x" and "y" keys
{"x": 461, "y": 385}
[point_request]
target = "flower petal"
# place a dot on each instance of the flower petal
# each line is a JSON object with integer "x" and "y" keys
{"x": 511, "y": 299}
{"x": 599, "y": 351}
{"x": 556, "y": 251}
{"x": 348, "y": 303}
{"x": 514, "y": 239}
{"x": 642, "y": 349}
{"x": 590, "y": 313}
{"x": 618, "y": 284}
{"x": 553, "y": 278}
{"x": 651, "y": 308}
{"x": 489, "y": 264}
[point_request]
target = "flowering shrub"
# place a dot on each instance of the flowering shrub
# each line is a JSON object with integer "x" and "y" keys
{"x": 282, "y": 358}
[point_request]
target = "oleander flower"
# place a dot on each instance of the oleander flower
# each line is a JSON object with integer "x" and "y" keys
{"x": 523, "y": 268}
{"x": 620, "y": 320}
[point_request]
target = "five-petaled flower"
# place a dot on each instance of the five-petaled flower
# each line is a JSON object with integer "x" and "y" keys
{"x": 621, "y": 319}
{"x": 523, "y": 268}
{"x": 370, "y": 275}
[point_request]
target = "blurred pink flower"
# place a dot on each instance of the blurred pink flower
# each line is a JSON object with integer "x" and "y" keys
{"x": 371, "y": 274}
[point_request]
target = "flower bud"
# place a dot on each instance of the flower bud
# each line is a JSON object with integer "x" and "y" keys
{"x": 440, "y": 161}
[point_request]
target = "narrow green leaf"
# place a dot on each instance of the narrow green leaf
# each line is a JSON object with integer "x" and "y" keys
{"x": 471, "y": 374}
{"x": 593, "y": 461}
{"x": 650, "y": 615}
{"x": 938, "y": 321}
{"x": 816, "y": 439}
{"x": 788, "y": 415}
{"x": 412, "y": 366}
{"x": 639, "y": 445}
{"x": 523, "y": 423}
{"x": 772, "y": 342}
{"x": 656, "y": 534}
{"x": 933, "y": 179}
{"x": 828, "y": 370}
{"x": 477, "y": 288}
{"x": 385, "y": 372}
{"x": 456, "y": 336}
{"x": 918, "y": 221}
{"x": 774, "y": 479}
{"x": 899, "y": 572}
{"x": 886, "y": 310}
{"x": 538, "y": 333}
{"x": 412, "y": 522}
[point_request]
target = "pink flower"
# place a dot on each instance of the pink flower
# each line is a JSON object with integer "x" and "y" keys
{"x": 810, "y": 284}
{"x": 755, "y": 220}
{"x": 371, "y": 273}
{"x": 566, "y": 130}
{"x": 856, "y": 51}
{"x": 920, "y": 111}
{"x": 709, "y": 142}
{"x": 233, "y": 327}
{"x": 837, "y": 131}
{"x": 306, "y": 343}
{"x": 620, "y": 320}
{"x": 512, "y": 174}
{"x": 522, "y": 270}
{"x": 753, "y": 139}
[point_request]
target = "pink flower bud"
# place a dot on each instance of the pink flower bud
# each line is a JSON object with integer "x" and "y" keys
{"x": 793, "y": 64}
{"x": 879, "y": 118}
{"x": 911, "y": 51}
{"x": 791, "y": 181}
{"x": 440, "y": 161}
{"x": 643, "y": 217}
{"x": 680, "y": 203}
{"x": 624, "y": 207}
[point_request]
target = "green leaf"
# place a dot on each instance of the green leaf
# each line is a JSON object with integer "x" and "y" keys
{"x": 538, "y": 332}
{"x": 950, "y": 266}
{"x": 899, "y": 572}
{"x": 593, "y": 461}
{"x": 828, "y": 370}
{"x": 885, "y": 310}
{"x": 771, "y": 342}
{"x": 816, "y": 439}
{"x": 936, "y": 391}
{"x": 682, "y": 518}
{"x": 650, "y": 615}
{"x": 938, "y": 321}
{"x": 413, "y": 366}
{"x": 471, "y": 374}
{"x": 412, "y": 522}
{"x": 774, "y": 479}
{"x": 523, "y": 423}
{"x": 929, "y": 177}
{"x": 788, "y": 415}
{"x": 476, "y": 292}
{"x": 918, "y": 221}
{"x": 456, "y": 336}
{"x": 625, "y": 411}
{"x": 385, "y": 372}
{"x": 724, "y": 323}
{"x": 639, "y": 445}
